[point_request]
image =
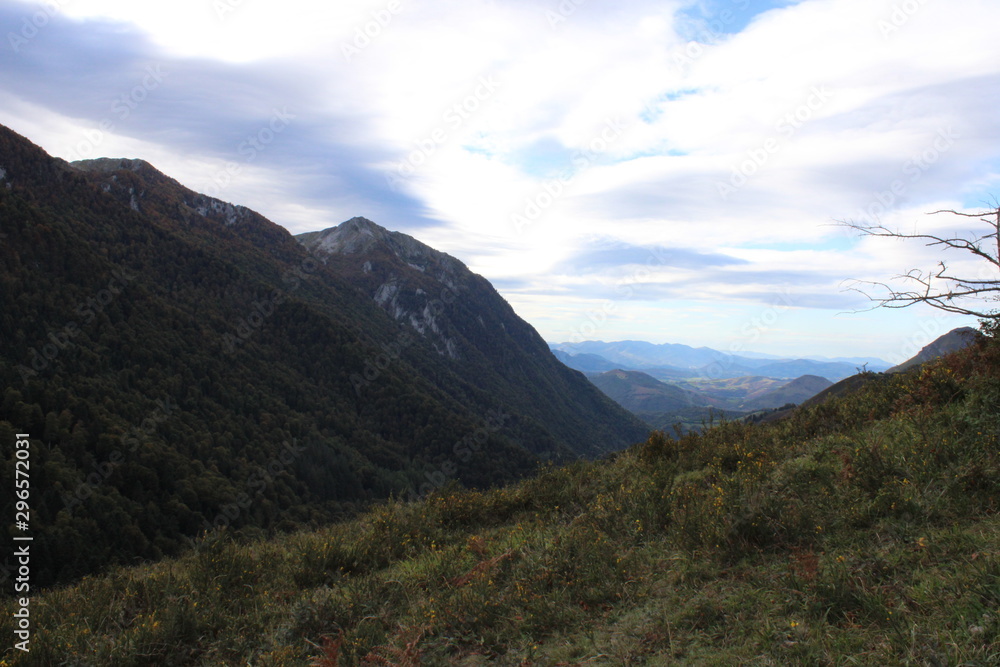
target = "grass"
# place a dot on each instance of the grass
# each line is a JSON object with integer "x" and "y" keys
{"x": 859, "y": 532}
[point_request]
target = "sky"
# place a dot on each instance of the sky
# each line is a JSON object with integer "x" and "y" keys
{"x": 670, "y": 171}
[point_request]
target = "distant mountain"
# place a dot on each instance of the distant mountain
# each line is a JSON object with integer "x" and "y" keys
{"x": 706, "y": 362}
{"x": 641, "y": 355}
{"x": 797, "y": 391}
{"x": 669, "y": 373}
{"x": 874, "y": 364}
{"x": 954, "y": 340}
{"x": 830, "y": 370}
{"x": 640, "y": 393}
{"x": 663, "y": 406}
{"x": 594, "y": 363}
{"x": 183, "y": 363}
{"x": 586, "y": 363}
{"x": 730, "y": 393}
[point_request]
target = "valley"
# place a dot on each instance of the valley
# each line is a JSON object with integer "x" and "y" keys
{"x": 704, "y": 385}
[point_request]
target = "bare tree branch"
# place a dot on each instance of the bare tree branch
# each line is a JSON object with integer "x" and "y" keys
{"x": 939, "y": 288}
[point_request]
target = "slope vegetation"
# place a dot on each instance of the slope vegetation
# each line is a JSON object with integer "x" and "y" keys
{"x": 859, "y": 531}
{"x": 182, "y": 364}
{"x": 797, "y": 391}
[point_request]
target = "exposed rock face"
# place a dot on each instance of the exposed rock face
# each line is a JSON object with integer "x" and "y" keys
{"x": 416, "y": 282}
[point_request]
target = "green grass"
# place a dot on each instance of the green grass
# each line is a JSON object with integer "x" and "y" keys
{"x": 863, "y": 531}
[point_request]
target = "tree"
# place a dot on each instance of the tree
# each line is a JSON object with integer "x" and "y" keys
{"x": 939, "y": 287}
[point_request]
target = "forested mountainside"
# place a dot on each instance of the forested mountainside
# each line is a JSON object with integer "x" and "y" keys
{"x": 182, "y": 364}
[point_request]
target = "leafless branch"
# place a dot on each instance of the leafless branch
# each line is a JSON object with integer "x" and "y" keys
{"x": 939, "y": 288}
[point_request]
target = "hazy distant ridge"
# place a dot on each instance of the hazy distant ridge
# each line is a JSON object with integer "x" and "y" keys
{"x": 704, "y": 361}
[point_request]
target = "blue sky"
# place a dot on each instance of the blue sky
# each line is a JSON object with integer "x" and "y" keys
{"x": 666, "y": 171}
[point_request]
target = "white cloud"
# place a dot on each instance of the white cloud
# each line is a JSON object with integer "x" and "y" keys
{"x": 818, "y": 106}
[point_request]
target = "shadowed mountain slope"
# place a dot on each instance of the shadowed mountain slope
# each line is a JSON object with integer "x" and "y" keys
{"x": 182, "y": 363}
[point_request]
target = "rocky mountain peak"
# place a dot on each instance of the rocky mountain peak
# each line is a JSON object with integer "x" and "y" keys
{"x": 110, "y": 164}
{"x": 360, "y": 236}
{"x": 356, "y": 236}
{"x": 406, "y": 278}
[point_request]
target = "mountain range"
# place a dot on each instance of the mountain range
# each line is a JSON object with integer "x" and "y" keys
{"x": 675, "y": 361}
{"x": 184, "y": 364}
{"x": 671, "y": 397}
{"x": 666, "y": 406}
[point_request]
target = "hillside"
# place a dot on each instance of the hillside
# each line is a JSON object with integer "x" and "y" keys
{"x": 731, "y": 392}
{"x": 586, "y": 363}
{"x": 183, "y": 363}
{"x": 954, "y": 340}
{"x": 861, "y": 531}
{"x": 797, "y": 391}
{"x": 477, "y": 337}
{"x": 638, "y": 392}
{"x": 664, "y": 406}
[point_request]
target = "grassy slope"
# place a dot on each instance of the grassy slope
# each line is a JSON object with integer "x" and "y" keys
{"x": 861, "y": 531}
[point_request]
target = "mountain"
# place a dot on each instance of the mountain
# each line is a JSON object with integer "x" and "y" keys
{"x": 182, "y": 363}
{"x": 641, "y": 393}
{"x": 669, "y": 373}
{"x": 874, "y": 364}
{"x": 663, "y": 406}
{"x": 586, "y": 363}
{"x": 706, "y": 362}
{"x": 484, "y": 348}
{"x": 830, "y": 370}
{"x": 797, "y": 391}
{"x": 640, "y": 354}
{"x": 954, "y": 340}
{"x": 731, "y": 392}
